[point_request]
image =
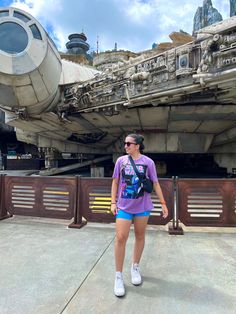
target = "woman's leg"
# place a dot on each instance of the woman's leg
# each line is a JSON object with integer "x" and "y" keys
{"x": 140, "y": 224}
{"x": 122, "y": 233}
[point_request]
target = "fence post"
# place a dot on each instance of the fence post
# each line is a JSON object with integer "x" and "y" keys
{"x": 175, "y": 229}
{"x": 3, "y": 211}
{"x": 78, "y": 221}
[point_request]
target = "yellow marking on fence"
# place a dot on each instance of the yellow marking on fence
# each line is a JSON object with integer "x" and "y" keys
{"x": 101, "y": 211}
{"x": 102, "y": 199}
{"x": 99, "y": 207}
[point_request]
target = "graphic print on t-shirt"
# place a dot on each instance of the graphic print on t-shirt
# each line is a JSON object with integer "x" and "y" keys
{"x": 130, "y": 186}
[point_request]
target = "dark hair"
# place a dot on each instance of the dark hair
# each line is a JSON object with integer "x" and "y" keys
{"x": 138, "y": 138}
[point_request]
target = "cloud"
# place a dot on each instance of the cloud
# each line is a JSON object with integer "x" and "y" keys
{"x": 132, "y": 24}
{"x": 138, "y": 12}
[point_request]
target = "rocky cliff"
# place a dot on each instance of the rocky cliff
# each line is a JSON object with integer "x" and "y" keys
{"x": 206, "y": 15}
{"x": 232, "y": 7}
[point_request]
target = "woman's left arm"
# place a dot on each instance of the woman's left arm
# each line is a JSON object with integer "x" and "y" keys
{"x": 158, "y": 190}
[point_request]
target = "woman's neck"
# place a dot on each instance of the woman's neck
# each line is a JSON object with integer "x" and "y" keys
{"x": 135, "y": 155}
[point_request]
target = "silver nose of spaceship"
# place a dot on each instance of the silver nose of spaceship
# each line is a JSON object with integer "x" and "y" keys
{"x": 30, "y": 65}
{"x": 23, "y": 42}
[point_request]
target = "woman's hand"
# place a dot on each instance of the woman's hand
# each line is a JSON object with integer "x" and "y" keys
{"x": 164, "y": 211}
{"x": 114, "y": 209}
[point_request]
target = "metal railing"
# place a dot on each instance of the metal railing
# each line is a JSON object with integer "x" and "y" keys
{"x": 196, "y": 202}
{"x": 52, "y": 197}
{"x": 3, "y": 209}
{"x": 207, "y": 202}
{"x": 94, "y": 201}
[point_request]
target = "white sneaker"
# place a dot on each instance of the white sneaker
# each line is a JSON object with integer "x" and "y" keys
{"x": 136, "y": 278}
{"x": 119, "y": 288}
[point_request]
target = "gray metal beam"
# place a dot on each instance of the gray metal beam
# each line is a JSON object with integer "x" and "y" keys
{"x": 53, "y": 171}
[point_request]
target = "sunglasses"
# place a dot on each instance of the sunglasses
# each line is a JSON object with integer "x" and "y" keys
{"x": 129, "y": 143}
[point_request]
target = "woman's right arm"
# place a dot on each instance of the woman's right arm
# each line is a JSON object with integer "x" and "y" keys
{"x": 114, "y": 189}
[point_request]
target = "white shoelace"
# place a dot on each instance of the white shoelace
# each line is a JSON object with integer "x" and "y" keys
{"x": 136, "y": 270}
{"x": 119, "y": 282}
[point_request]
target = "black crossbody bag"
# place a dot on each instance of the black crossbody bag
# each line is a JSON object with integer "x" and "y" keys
{"x": 146, "y": 184}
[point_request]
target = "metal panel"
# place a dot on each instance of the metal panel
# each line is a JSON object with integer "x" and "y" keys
{"x": 203, "y": 202}
{"x": 167, "y": 186}
{"x": 3, "y": 208}
{"x": 209, "y": 202}
{"x": 51, "y": 197}
{"x": 95, "y": 200}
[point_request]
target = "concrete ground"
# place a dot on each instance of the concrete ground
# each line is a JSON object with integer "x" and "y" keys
{"x": 47, "y": 268}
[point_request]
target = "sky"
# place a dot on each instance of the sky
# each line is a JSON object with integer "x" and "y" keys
{"x": 133, "y": 24}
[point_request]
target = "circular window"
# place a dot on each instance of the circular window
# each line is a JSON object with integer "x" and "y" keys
{"x": 13, "y": 37}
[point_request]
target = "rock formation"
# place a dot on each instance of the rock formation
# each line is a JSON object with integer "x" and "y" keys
{"x": 232, "y": 7}
{"x": 205, "y": 16}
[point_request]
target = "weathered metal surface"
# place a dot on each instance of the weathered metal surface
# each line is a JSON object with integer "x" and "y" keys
{"x": 40, "y": 196}
{"x": 95, "y": 201}
{"x": 3, "y": 210}
{"x": 199, "y": 202}
{"x": 54, "y": 171}
{"x": 208, "y": 202}
{"x": 88, "y": 198}
{"x": 182, "y": 99}
{"x": 167, "y": 186}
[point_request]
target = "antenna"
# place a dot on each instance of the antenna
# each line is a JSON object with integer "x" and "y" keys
{"x": 97, "y": 43}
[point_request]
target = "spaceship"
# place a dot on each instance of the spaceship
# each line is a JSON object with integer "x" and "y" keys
{"x": 183, "y": 100}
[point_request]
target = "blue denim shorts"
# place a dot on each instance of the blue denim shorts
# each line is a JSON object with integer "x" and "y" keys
{"x": 128, "y": 216}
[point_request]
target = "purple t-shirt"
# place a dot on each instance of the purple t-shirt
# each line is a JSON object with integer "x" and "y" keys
{"x": 128, "y": 198}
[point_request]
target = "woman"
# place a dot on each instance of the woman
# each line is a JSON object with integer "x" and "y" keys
{"x": 129, "y": 202}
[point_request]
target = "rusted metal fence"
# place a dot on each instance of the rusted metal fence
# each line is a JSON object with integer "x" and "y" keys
{"x": 167, "y": 186}
{"x": 94, "y": 201}
{"x": 207, "y": 202}
{"x": 204, "y": 202}
{"x": 52, "y": 197}
{"x": 3, "y": 210}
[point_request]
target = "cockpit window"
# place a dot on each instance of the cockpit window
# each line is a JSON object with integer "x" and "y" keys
{"x": 4, "y": 13}
{"x": 21, "y": 16}
{"x": 13, "y": 37}
{"x": 35, "y": 31}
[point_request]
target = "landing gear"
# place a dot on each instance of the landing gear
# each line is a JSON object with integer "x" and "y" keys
{"x": 51, "y": 157}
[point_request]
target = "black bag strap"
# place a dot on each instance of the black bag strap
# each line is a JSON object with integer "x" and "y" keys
{"x": 135, "y": 168}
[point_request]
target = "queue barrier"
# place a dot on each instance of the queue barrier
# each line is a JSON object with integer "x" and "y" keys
{"x": 3, "y": 209}
{"x": 207, "y": 202}
{"x": 94, "y": 201}
{"x": 194, "y": 202}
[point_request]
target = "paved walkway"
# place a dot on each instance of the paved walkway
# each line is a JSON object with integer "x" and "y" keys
{"x": 46, "y": 268}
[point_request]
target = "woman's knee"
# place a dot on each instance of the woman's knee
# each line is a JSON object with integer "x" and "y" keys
{"x": 140, "y": 236}
{"x": 121, "y": 237}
